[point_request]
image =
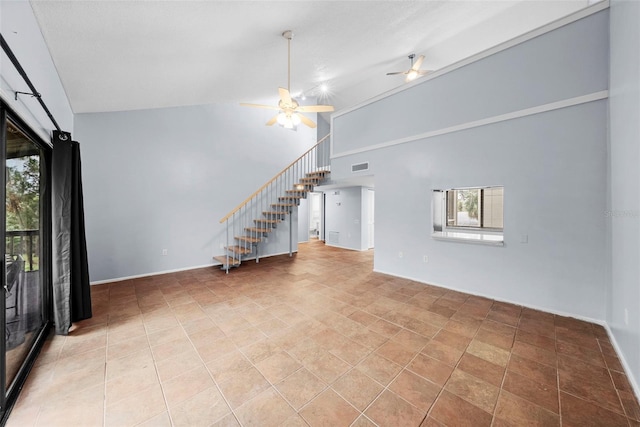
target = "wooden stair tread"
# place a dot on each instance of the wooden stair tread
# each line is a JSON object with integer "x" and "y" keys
{"x": 248, "y": 239}
{"x": 223, "y": 260}
{"x": 317, "y": 173}
{"x": 277, "y": 212}
{"x": 239, "y": 249}
{"x": 259, "y": 230}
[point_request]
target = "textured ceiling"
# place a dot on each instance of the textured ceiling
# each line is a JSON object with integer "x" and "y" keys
{"x": 127, "y": 55}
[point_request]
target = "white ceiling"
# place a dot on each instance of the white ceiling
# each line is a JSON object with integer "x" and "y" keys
{"x": 127, "y": 55}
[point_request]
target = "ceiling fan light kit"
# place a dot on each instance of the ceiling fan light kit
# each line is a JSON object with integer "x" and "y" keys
{"x": 289, "y": 110}
{"x": 414, "y": 70}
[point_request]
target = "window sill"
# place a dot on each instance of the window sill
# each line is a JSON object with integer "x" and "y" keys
{"x": 490, "y": 239}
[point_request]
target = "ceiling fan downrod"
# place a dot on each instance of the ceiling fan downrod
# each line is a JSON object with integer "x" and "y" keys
{"x": 288, "y": 34}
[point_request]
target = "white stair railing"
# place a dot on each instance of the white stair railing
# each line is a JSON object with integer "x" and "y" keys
{"x": 249, "y": 222}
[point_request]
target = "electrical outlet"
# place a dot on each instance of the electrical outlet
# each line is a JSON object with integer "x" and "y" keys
{"x": 425, "y": 259}
{"x": 400, "y": 254}
{"x": 164, "y": 252}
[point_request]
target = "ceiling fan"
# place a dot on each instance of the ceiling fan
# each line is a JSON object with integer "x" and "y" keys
{"x": 415, "y": 71}
{"x": 289, "y": 110}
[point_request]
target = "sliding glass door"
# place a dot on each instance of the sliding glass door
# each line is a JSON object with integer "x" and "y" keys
{"x": 26, "y": 255}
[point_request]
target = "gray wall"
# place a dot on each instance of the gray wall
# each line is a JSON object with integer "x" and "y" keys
{"x": 552, "y": 165}
{"x": 20, "y": 30}
{"x": 624, "y": 219}
{"x": 303, "y": 221}
{"x": 545, "y": 69}
{"x": 343, "y": 213}
{"x": 162, "y": 179}
{"x": 346, "y": 213}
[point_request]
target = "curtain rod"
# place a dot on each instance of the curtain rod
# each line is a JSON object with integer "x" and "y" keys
{"x": 23, "y": 73}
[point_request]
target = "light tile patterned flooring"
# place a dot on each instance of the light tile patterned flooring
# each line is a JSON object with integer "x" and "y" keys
{"x": 320, "y": 340}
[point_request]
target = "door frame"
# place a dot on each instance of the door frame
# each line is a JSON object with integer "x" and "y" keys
{"x": 9, "y": 395}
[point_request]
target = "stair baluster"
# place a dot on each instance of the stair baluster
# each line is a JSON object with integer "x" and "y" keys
{"x": 261, "y": 212}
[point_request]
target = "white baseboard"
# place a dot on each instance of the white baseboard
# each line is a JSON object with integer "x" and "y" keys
{"x": 155, "y": 273}
{"x": 344, "y": 247}
{"x": 176, "y": 270}
{"x": 623, "y": 361}
{"x": 603, "y": 323}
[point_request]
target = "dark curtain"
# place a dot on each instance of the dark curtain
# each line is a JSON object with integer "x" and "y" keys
{"x": 70, "y": 272}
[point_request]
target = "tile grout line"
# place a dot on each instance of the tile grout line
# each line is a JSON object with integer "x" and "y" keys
{"x": 106, "y": 366}
{"x": 205, "y": 366}
{"x": 155, "y": 365}
{"x": 442, "y": 389}
{"x": 557, "y": 366}
{"x": 506, "y": 369}
{"x": 252, "y": 291}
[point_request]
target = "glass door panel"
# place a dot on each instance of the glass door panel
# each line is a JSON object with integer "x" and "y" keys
{"x": 23, "y": 250}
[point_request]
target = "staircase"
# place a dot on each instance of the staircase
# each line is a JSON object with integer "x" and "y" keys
{"x": 252, "y": 221}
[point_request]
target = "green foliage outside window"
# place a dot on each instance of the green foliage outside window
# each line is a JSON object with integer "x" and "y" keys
{"x": 23, "y": 207}
{"x": 23, "y": 194}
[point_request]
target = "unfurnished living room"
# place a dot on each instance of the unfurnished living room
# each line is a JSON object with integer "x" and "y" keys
{"x": 320, "y": 213}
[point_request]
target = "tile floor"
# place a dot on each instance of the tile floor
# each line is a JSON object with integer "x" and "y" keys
{"x": 320, "y": 340}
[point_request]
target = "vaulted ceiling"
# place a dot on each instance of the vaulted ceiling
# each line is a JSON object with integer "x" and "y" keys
{"x": 127, "y": 55}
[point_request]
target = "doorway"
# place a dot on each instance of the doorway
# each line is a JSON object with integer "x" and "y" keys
{"x": 370, "y": 217}
{"x": 26, "y": 278}
{"x": 315, "y": 216}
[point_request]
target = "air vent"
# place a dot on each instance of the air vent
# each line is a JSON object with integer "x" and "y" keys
{"x": 360, "y": 167}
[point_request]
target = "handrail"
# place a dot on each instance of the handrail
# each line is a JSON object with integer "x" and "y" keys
{"x": 255, "y": 193}
{"x": 29, "y": 248}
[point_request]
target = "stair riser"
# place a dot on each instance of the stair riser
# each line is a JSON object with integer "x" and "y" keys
{"x": 249, "y": 244}
{"x": 239, "y": 250}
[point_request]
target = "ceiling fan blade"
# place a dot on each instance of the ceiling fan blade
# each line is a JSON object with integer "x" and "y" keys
{"x": 397, "y": 72}
{"x": 307, "y": 121}
{"x": 268, "y": 107}
{"x": 315, "y": 108}
{"x": 418, "y": 63}
{"x": 272, "y": 121}
{"x": 285, "y": 96}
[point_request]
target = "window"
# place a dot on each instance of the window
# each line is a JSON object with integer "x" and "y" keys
{"x": 469, "y": 214}
{"x": 475, "y": 208}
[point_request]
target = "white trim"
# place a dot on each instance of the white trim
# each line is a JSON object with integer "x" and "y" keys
{"x": 583, "y": 99}
{"x": 533, "y": 307}
{"x": 345, "y": 248}
{"x": 156, "y": 273}
{"x": 475, "y": 238}
{"x": 177, "y": 270}
{"x": 603, "y": 323}
{"x": 46, "y": 139}
{"x": 554, "y": 25}
{"x": 627, "y": 369}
